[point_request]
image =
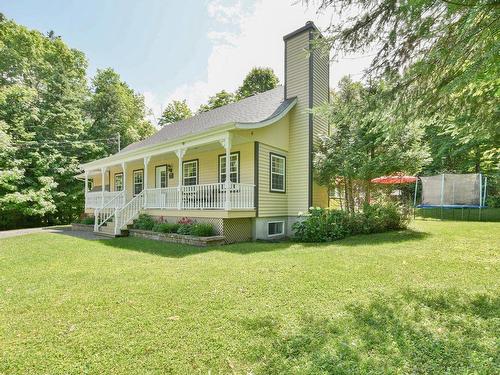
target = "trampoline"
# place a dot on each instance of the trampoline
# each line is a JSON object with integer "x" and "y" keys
{"x": 452, "y": 191}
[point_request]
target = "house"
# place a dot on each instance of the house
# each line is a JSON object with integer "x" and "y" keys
{"x": 264, "y": 143}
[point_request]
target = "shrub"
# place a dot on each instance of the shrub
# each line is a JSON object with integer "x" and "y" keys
{"x": 321, "y": 225}
{"x": 144, "y": 222}
{"x": 87, "y": 220}
{"x": 202, "y": 230}
{"x": 184, "y": 229}
{"x": 166, "y": 227}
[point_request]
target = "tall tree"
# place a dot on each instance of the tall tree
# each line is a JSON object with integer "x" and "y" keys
{"x": 257, "y": 80}
{"x": 42, "y": 91}
{"x": 175, "y": 111}
{"x": 116, "y": 109}
{"x": 218, "y": 100}
{"x": 448, "y": 51}
{"x": 366, "y": 139}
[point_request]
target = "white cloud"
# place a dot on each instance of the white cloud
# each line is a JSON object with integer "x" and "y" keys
{"x": 258, "y": 41}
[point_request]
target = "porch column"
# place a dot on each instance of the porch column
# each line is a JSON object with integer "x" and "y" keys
{"x": 146, "y": 162}
{"x": 103, "y": 184}
{"x": 180, "y": 155}
{"x": 124, "y": 171}
{"x": 226, "y": 143}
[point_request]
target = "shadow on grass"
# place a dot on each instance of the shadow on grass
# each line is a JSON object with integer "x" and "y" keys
{"x": 172, "y": 250}
{"x": 398, "y": 236}
{"x": 413, "y": 332}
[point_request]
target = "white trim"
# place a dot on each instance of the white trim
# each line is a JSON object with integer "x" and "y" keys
{"x": 268, "y": 121}
{"x": 282, "y": 222}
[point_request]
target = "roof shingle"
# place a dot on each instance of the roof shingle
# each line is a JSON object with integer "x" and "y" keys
{"x": 254, "y": 109}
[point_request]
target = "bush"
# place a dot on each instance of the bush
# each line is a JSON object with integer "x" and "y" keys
{"x": 87, "y": 220}
{"x": 321, "y": 225}
{"x": 184, "y": 229}
{"x": 166, "y": 227}
{"x": 202, "y": 230}
{"x": 144, "y": 222}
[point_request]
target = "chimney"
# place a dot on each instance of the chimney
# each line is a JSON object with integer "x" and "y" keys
{"x": 307, "y": 79}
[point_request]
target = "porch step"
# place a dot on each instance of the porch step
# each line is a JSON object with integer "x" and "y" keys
{"x": 109, "y": 231}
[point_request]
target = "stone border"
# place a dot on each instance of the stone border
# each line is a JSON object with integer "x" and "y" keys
{"x": 178, "y": 238}
{"x": 82, "y": 227}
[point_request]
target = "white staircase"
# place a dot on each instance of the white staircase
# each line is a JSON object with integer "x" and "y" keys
{"x": 111, "y": 219}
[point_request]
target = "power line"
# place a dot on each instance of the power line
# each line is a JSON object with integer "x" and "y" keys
{"x": 47, "y": 142}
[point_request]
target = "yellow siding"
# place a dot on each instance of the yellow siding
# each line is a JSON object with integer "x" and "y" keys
{"x": 297, "y": 76}
{"x": 270, "y": 203}
{"x": 320, "y": 125}
{"x": 275, "y": 134}
{"x": 320, "y": 91}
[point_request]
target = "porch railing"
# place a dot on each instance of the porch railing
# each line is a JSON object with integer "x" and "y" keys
{"x": 201, "y": 197}
{"x": 95, "y": 199}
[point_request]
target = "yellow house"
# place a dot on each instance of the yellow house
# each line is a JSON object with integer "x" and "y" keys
{"x": 182, "y": 170}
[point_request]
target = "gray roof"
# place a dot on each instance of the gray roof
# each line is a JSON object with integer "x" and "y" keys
{"x": 254, "y": 109}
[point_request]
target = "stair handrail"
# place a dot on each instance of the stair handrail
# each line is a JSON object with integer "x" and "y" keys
{"x": 132, "y": 208}
{"x": 98, "y": 212}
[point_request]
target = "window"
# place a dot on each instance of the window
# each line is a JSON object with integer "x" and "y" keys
{"x": 190, "y": 172}
{"x": 161, "y": 176}
{"x": 277, "y": 173}
{"x": 118, "y": 181}
{"x": 234, "y": 168}
{"x": 275, "y": 228}
{"x": 138, "y": 181}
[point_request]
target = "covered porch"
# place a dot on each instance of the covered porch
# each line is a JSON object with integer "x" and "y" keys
{"x": 191, "y": 177}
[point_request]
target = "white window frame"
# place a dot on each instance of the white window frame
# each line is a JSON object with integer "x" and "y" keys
{"x": 134, "y": 173}
{"x": 195, "y": 162}
{"x": 222, "y": 171}
{"x": 116, "y": 175}
{"x": 276, "y": 222}
{"x": 271, "y": 188}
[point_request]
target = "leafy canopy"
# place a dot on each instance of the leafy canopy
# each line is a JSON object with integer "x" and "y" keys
{"x": 257, "y": 80}
{"x": 175, "y": 111}
{"x": 447, "y": 55}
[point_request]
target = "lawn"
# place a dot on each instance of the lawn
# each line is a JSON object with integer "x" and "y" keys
{"x": 426, "y": 300}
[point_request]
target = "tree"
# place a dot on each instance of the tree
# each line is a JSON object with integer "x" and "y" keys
{"x": 116, "y": 109}
{"x": 42, "y": 92}
{"x": 257, "y": 80}
{"x": 447, "y": 51}
{"x": 176, "y": 110}
{"x": 366, "y": 140}
{"x": 218, "y": 100}
{"x": 49, "y": 122}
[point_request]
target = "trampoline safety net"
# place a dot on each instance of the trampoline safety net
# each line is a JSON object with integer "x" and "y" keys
{"x": 451, "y": 189}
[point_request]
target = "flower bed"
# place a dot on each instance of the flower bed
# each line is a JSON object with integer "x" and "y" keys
{"x": 178, "y": 238}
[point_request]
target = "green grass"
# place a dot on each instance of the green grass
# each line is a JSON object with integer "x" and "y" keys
{"x": 466, "y": 214}
{"x": 426, "y": 300}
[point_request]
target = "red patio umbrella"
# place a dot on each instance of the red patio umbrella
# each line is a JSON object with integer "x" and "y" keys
{"x": 390, "y": 180}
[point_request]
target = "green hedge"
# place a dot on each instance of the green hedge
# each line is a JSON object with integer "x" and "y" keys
{"x": 322, "y": 225}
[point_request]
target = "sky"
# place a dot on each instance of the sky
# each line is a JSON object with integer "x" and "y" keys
{"x": 178, "y": 49}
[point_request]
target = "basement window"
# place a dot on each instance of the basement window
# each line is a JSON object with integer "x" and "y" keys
{"x": 275, "y": 228}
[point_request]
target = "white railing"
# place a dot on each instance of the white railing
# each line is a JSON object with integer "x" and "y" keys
{"x": 129, "y": 212}
{"x": 241, "y": 196}
{"x": 95, "y": 199}
{"x": 162, "y": 198}
{"x": 201, "y": 197}
{"x": 103, "y": 214}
